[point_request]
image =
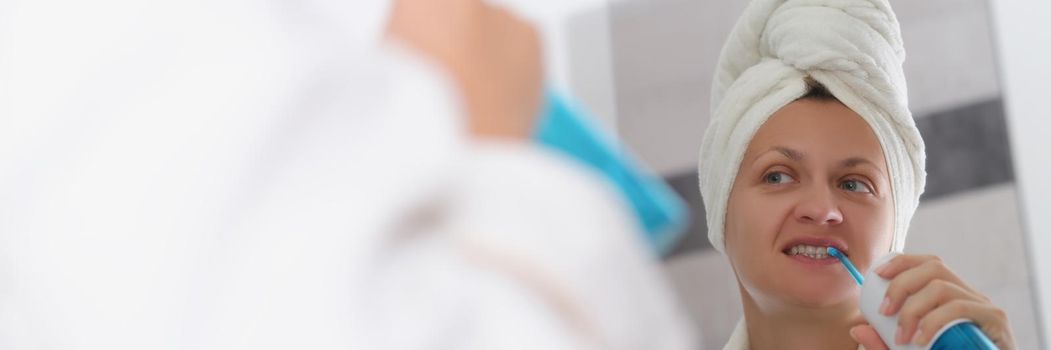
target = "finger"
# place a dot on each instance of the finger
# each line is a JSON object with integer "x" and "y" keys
{"x": 991, "y": 319}
{"x": 868, "y": 338}
{"x": 912, "y": 280}
{"x": 936, "y": 293}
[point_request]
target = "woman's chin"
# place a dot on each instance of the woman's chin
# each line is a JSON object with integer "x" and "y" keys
{"x": 819, "y": 296}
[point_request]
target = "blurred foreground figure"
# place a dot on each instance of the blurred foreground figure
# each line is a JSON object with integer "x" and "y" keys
{"x": 300, "y": 175}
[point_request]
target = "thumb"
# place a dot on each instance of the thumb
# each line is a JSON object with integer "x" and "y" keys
{"x": 865, "y": 335}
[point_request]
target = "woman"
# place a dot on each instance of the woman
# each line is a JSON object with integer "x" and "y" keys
{"x": 811, "y": 145}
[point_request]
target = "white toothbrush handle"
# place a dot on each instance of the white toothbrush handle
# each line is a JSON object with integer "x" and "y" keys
{"x": 872, "y": 293}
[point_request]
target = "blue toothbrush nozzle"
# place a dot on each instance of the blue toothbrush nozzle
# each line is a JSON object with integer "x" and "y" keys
{"x": 846, "y": 263}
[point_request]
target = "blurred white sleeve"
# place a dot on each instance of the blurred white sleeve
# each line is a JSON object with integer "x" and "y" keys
{"x": 528, "y": 250}
{"x": 221, "y": 175}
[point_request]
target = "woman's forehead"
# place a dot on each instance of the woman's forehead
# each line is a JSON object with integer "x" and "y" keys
{"x": 825, "y": 130}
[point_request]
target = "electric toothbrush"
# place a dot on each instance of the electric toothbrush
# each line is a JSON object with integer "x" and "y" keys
{"x": 961, "y": 334}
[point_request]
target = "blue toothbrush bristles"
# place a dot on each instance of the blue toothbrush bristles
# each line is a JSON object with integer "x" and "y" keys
{"x": 846, "y": 263}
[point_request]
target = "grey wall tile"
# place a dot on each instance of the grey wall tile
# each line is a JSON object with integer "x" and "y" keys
{"x": 950, "y": 58}
{"x": 668, "y": 124}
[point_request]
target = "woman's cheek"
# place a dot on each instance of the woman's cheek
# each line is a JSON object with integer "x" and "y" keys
{"x": 757, "y": 226}
{"x": 874, "y": 230}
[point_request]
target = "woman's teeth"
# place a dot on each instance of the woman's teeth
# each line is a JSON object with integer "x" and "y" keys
{"x": 809, "y": 251}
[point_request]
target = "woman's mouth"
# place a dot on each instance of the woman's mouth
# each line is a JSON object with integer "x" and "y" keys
{"x": 813, "y": 250}
{"x": 810, "y": 255}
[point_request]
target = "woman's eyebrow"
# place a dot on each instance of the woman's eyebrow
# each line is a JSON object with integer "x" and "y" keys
{"x": 855, "y": 161}
{"x": 789, "y": 153}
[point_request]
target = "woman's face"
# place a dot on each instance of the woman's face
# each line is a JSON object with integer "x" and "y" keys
{"x": 814, "y": 175}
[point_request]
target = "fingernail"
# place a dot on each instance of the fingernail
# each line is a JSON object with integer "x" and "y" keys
{"x": 884, "y": 308}
{"x": 899, "y": 336}
{"x": 853, "y": 334}
{"x": 916, "y": 337}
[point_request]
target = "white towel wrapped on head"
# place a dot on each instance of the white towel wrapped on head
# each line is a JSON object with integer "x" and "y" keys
{"x": 853, "y": 48}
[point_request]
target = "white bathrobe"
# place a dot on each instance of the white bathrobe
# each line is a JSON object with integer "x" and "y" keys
{"x": 262, "y": 175}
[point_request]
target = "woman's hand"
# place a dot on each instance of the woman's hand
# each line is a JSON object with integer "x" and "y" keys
{"x": 492, "y": 56}
{"x": 926, "y": 295}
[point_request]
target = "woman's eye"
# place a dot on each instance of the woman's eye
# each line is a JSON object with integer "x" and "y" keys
{"x": 777, "y": 178}
{"x": 855, "y": 186}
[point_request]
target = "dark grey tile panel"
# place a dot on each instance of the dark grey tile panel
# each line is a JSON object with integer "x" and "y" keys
{"x": 967, "y": 148}
{"x": 696, "y": 236}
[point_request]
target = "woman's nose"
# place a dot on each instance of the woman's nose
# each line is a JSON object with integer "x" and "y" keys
{"x": 819, "y": 207}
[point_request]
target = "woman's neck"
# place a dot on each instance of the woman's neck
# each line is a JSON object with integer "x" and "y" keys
{"x": 798, "y": 327}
